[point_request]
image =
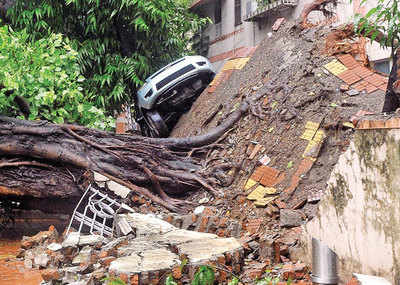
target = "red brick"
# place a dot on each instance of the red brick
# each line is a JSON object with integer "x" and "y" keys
{"x": 393, "y": 123}
{"x": 280, "y": 204}
{"x": 124, "y": 277}
{"x": 269, "y": 176}
{"x": 107, "y": 260}
{"x": 365, "y": 124}
{"x": 50, "y": 274}
{"x": 377, "y": 124}
{"x": 293, "y": 184}
{"x": 361, "y": 85}
{"x": 289, "y": 274}
{"x": 375, "y": 79}
{"x": 383, "y": 87}
{"x": 349, "y": 77}
{"x": 208, "y": 212}
{"x": 371, "y": 88}
{"x": 223, "y": 222}
{"x": 253, "y": 226}
{"x": 362, "y": 71}
{"x": 177, "y": 272}
{"x": 304, "y": 166}
{"x": 277, "y": 24}
{"x": 348, "y": 60}
{"x": 135, "y": 280}
{"x": 203, "y": 224}
{"x": 353, "y": 281}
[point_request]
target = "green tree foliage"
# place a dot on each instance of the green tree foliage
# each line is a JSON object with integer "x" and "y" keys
{"x": 381, "y": 23}
{"x": 47, "y": 74}
{"x": 119, "y": 42}
{"x": 204, "y": 276}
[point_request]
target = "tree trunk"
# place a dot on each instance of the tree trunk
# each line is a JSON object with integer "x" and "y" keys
{"x": 392, "y": 96}
{"x": 40, "y": 161}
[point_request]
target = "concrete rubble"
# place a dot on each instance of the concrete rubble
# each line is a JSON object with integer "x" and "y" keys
{"x": 153, "y": 250}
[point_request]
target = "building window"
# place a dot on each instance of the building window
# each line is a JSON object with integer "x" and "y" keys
{"x": 238, "y": 12}
{"x": 217, "y": 12}
{"x": 382, "y": 66}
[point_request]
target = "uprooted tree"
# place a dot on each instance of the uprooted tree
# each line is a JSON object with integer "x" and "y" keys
{"x": 42, "y": 163}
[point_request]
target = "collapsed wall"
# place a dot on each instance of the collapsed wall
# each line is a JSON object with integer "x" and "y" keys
{"x": 359, "y": 214}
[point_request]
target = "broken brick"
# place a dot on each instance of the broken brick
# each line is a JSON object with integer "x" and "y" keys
{"x": 50, "y": 274}
{"x": 348, "y": 60}
{"x": 280, "y": 204}
{"x": 253, "y": 225}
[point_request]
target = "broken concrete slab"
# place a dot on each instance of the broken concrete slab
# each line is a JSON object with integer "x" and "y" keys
{"x": 126, "y": 264}
{"x": 72, "y": 239}
{"x": 207, "y": 249}
{"x": 54, "y": 246}
{"x": 99, "y": 177}
{"x": 75, "y": 238}
{"x": 41, "y": 260}
{"x": 90, "y": 239}
{"x": 118, "y": 189}
{"x": 136, "y": 246}
{"x": 147, "y": 224}
{"x": 181, "y": 236}
{"x": 83, "y": 256}
{"x": 159, "y": 259}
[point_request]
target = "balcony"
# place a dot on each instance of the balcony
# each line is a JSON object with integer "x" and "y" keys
{"x": 264, "y": 10}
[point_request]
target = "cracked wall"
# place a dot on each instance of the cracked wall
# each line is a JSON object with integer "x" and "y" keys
{"x": 359, "y": 216}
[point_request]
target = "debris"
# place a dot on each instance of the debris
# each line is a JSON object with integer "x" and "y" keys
{"x": 260, "y": 193}
{"x": 277, "y": 24}
{"x": 352, "y": 92}
{"x": 253, "y": 225}
{"x": 265, "y": 160}
{"x": 335, "y": 67}
{"x": 344, "y": 87}
{"x": 300, "y": 204}
{"x": 256, "y": 149}
{"x": 198, "y": 210}
{"x": 310, "y": 130}
{"x": 314, "y": 197}
{"x": 250, "y": 183}
{"x": 123, "y": 226}
{"x": 98, "y": 212}
{"x": 118, "y": 189}
{"x": 204, "y": 200}
{"x": 349, "y": 125}
{"x": 54, "y": 246}
{"x": 264, "y": 201}
{"x": 291, "y": 218}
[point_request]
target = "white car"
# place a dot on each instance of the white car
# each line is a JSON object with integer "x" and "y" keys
{"x": 170, "y": 92}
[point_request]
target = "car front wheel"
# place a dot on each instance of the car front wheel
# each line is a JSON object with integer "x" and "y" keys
{"x": 156, "y": 124}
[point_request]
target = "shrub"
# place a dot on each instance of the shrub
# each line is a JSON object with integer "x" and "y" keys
{"x": 47, "y": 74}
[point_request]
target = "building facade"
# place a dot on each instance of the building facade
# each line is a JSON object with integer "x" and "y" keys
{"x": 238, "y": 24}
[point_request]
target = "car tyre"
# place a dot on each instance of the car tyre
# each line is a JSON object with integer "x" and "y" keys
{"x": 156, "y": 125}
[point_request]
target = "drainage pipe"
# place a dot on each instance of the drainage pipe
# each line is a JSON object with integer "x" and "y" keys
{"x": 324, "y": 264}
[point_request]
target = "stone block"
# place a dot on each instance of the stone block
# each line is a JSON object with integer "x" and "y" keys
{"x": 291, "y": 218}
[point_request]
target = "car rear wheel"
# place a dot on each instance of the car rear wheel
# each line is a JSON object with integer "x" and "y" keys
{"x": 156, "y": 125}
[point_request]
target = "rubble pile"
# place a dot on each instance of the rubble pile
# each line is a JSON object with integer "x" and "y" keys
{"x": 284, "y": 150}
{"x": 147, "y": 255}
{"x": 304, "y": 106}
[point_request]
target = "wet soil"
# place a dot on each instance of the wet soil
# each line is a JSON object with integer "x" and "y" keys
{"x": 13, "y": 272}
